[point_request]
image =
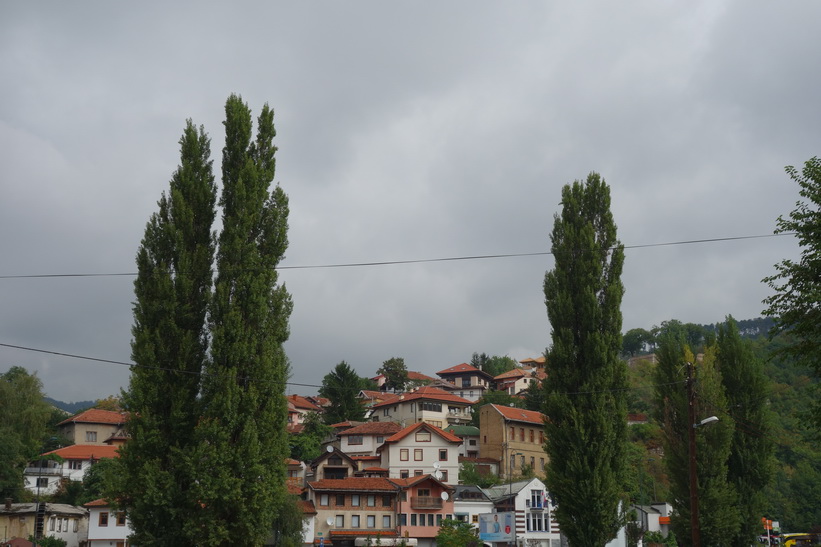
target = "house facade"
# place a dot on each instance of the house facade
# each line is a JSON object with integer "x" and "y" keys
{"x": 57, "y": 520}
{"x": 422, "y": 449}
{"x": 426, "y": 404}
{"x": 93, "y": 426}
{"x": 470, "y": 501}
{"x": 469, "y": 382}
{"x": 106, "y": 525}
{"x": 424, "y": 502}
{"x": 365, "y": 439}
{"x": 514, "y": 437}
{"x": 44, "y": 476}
{"x": 535, "y": 524}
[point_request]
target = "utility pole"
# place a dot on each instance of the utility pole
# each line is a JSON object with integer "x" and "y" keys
{"x": 691, "y": 431}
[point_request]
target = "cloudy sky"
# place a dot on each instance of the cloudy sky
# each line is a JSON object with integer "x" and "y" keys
{"x": 406, "y": 131}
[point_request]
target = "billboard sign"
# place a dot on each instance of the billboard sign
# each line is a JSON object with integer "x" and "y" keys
{"x": 496, "y": 527}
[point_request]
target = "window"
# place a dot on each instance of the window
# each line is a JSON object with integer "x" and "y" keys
{"x": 75, "y": 464}
{"x": 103, "y": 519}
{"x": 423, "y": 492}
{"x": 76, "y": 524}
{"x": 541, "y": 437}
{"x": 121, "y": 518}
{"x": 385, "y": 412}
{"x": 522, "y": 434}
{"x": 42, "y": 482}
{"x": 386, "y": 501}
{"x": 443, "y": 454}
{"x": 386, "y": 521}
{"x": 431, "y": 407}
{"x": 403, "y": 454}
{"x": 471, "y": 393}
{"x": 91, "y": 436}
{"x": 512, "y": 433}
{"x": 371, "y": 501}
{"x": 541, "y": 463}
{"x": 380, "y": 440}
{"x": 532, "y": 436}
{"x": 444, "y": 475}
{"x": 323, "y": 499}
{"x": 417, "y": 472}
{"x": 354, "y": 439}
{"x": 438, "y": 520}
{"x": 474, "y": 519}
{"x": 403, "y": 519}
{"x": 472, "y": 442}
{"x": 340, "y": 499}
{"x": 413, "y": 519}
{"x": 430, "y": 519}
{"x": 485, "y": 441}
{"x": 417, "y": 454}
{"x": 371, "y": 521}
{"x": 536, "y": 498}
{"x": 355, "y": 500}
{"x": 423, "y": 436}
{"x": 355, "y": 521}
{"x": 522, "y": 460}
{"x": 532, "y": 463}
{"x": 51, "y": 524}
{"x": 404, "y": 474}
{"x": 340, "y": 521}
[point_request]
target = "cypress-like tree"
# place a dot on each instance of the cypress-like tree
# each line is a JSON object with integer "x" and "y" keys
{"x": 169, "y": 347}
{"x": 751, "y": 460}
{"x": 241, "y": 432}
{"x": 718, "y": 518}
{"x": 342, "y": 386}
{"x": 584, "y": 391}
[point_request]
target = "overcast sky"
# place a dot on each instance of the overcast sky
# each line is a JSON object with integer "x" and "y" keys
{"x": 406, "y": 130}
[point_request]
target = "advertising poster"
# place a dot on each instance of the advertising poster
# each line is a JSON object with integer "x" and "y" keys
{"x": 496, "y": 526}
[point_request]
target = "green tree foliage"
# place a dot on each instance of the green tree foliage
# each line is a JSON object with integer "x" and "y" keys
{"x": 242, "y": 438}
{"x": 469, "y": 474}
{"x": 797, "y": 284}
{"x": 635, "y": 341}
{"x": 497, "y": 365}
{"x": 395, "y": 373}
{"x": 206, "y": 460}
{"x": 169, "y": 347}
{"x": 23, "y": 426}
{"x": 48, "y": 541}
{"x": 718, "y": 515}
{"x": 750, "y": 464}
{"x": 454, "y": 533}
{"x": 534, "y": 397}
{"x": 307, "y": 444}
{"x": 584, "y": 390}
{"x": 342, "y": 386}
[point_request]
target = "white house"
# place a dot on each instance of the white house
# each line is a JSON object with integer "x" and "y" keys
{"x": 106, "y": 526}
{"x": 535, "y": 525}
{"x": 469, "y": 502}
{"x": 471, "y": 382}
{"x": 57, "y": 520}
{"x": 365, "y": 439}
{"x": 44, "y": 476}
{"x": 422, "y": 449}
{"x": 426, "y": 404}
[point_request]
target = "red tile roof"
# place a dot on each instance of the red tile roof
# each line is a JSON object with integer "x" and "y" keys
{"x": 307, "y": 507}
{"x": 461, "y": 368}
{"x": 520, "y": 414}
{"x": 515, "y": 373}
{"x": 410, "y": 481}
{"x": 97, "y": 503}
{"x": 531, "y": 360}
{"x": 426, "y": 392}
{"x": 361, "y": 484}
{"x": 373, "y": 428}
{"x": 86, "y": 452}
{"x": 302, "y": 403}
{"x": 97, "y": 416}
{"x": 423, "y": 425}
{"x": 416, "y": 376}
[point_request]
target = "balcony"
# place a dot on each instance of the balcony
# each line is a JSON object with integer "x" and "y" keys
{"x": 426, "y": 502}
{"x": 43, "y": 471}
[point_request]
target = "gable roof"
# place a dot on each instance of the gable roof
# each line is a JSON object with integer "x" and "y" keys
{"x": 86, "y": 452}
{"x": 428, "y": 393}
{"x": 510, "y": 374}
{"x": 412, "y": 481}
{"x": 302, "y": 403}
{"x": 460, "y": 369}
{"x": 335, "y": 452}
{"x": 418, "y": 376}
{"x": 520, "y": 414}
{"x": 97, "y": 416}
{"x": 361, "y": 484}
{"x": 373, "y": 428}
{"x": 450, "y": 437}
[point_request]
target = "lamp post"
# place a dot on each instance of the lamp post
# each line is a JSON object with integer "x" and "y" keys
{"x": 695, "y": 533}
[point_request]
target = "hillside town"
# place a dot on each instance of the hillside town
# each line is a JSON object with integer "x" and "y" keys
{"x": 392, "y": 479}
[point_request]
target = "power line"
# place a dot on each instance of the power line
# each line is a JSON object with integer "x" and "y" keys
{"x": 418, "y": 261}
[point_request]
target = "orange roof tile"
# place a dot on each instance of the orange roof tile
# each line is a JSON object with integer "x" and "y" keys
{"x": 515, "y": 373}
{"x": 426, "y": 392}
{"x": 307, "y": 507}
{"x": 362, "y": 484}
{"x": 460, "y": 368}
{"x": 97, "y": 503}
{"x": 85, "y": 452}
{"x": 423, "y": 425}
{"x": 97, "y": 416}
{"x": 301, "y": 402}
{"x": 520, "y": 414}
{"x": 419, "y": 376}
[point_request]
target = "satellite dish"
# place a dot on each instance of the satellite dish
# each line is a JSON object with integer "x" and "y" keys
{"x": 436, "y": 465}
{"x": 444, "y": 496}
{"x": 330, "y": 521}
{"x": 329, "y": 449}
{"x": 437, "y": 475}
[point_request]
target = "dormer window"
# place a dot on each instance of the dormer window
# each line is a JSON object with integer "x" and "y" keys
{"x": 423, "y": 436}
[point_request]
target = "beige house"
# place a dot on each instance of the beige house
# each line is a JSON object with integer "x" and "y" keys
{"x": 422, "y": 449}
{"x": 93, "y": 426}
{"x": 468, "y": 381}
{"x": 426, "y": 404}
{"x": 514, "y": 437}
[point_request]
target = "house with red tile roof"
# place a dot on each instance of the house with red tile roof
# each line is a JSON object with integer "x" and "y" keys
{"x": 299, "y": 407}
{"x": 425, "y": 404}
{"x": 365, "y": 439}
{"x": 516, "y": 381}
{"x": 424, "y": 503}
{"x": 422, "y": 449}
{"x": 415, "y": 379}
{"x": 45, "y": 475}
{"x": 470, "y": 381}
{"x": 92, "y": 426}
{"x": 514, "y": 437}
{"x": 106, "y": 525}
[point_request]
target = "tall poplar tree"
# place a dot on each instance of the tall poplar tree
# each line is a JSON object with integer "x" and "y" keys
{"x": 751, "y": 461}
{"x": 169, "y": 347}
{"x": 584, "y": 391}
{"x": 242, "y": 436}
{"x": 718, "y": 518}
